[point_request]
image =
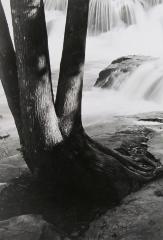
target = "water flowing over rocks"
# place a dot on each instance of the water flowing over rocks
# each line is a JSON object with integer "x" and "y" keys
{"x": 104, "y": 15}
{"x": 119, "y": 70}
{"x": 137, "y": 218}
{"x": 137, "y": 78}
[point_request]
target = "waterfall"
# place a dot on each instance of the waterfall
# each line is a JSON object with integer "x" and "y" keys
{"x": 146, "y": 82}
{"x": 154, "y": 2}
{"x": 139, "y": 92}
{"x": 135, "y": 77}
{"x": 107, "y": 14}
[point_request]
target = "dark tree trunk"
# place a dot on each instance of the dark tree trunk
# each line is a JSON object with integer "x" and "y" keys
{"x": 59, "y": 148}
{"x": 39, "y": 121}
{"x": 69, "y": 92}
{"x": 8, "y": 70}
{"x": 104, "y": 169}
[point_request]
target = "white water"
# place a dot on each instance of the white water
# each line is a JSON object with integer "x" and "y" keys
{"x": 142, "y": 91}
{"x": 104, "y": 15}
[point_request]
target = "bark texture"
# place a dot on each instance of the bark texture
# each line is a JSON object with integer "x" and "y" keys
{"x": 69, "y": 92}
{"x": 59, "y": 148}
{"x": 39, "y": 121}
{"x": 98, "y": 170}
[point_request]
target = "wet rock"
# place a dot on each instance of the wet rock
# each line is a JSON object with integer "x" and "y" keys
{"x": 27, "y": 227}
{"x": 140, "y": 215}
{"x": 119, "y": 70}
{"x": 156, "y": 120}
{"x": 8, "y": 172}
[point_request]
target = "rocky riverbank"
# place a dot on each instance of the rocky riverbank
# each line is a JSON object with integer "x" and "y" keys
{"x": 32, "y": 210}
{"x": 139, "y": 216}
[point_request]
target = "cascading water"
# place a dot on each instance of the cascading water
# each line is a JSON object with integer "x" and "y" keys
{"x": 107, "y": 14}
{"x": 142, "y": 90}
{"x": 104, "y": 15}
{"x": 133, "y": 27}
{"x": 139, "y": 92}
{"x": 145, "y": 83}
{"x": 135, "y": 77}
{"x": 154, "y": 2}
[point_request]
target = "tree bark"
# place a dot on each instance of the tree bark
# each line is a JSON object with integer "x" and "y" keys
{"x": 39, "y": 121}
{"x": 62, "y": 150}
{"x": 104, "y": 169}
{"x": 69, "y": 92}
{"x": 8, "y": 70}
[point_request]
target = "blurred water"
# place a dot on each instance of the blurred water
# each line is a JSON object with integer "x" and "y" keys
{"x": 142, "y": 91}
{"x": 104, "y": 15}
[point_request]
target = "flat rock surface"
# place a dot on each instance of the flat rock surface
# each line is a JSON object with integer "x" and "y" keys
{"x": 138, "y": 217}
{"x": 27, "y": 227}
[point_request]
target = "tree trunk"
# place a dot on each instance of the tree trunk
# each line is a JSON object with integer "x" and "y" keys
{"x": 104, "y": 169}
{"x": 39, "y": 121}
{"x": 69, "y": 92}
{"x": 8, "y": 70}
{"x": 59, "y": 148}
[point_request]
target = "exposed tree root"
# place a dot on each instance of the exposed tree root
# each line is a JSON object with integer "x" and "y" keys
{"x": 95, "y": 171}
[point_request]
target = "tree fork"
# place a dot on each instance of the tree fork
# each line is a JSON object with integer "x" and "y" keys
{"x": 102, "y": 162}
{"x": 77, "y": 160}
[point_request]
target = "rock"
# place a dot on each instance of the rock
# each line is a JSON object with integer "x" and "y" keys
{"x": 140, "y": 215}
{"x": 8, "y": 172}
{"x": 27, "y": 227}
{"x": 138, "y": 218}
{"x": 119, "y": 70}
{"x": 156, "y": 120}
{"x": 15, "y": 160}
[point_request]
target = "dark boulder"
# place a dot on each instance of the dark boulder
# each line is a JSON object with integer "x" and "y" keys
{"x": 119, "y": 70}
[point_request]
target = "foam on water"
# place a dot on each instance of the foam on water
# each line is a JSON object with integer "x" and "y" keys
{"x": 99, "y": 105}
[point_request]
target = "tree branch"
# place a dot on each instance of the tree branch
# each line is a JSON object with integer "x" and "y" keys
{"x": 69, "y": 92}
{"x": 8, "y": 70}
